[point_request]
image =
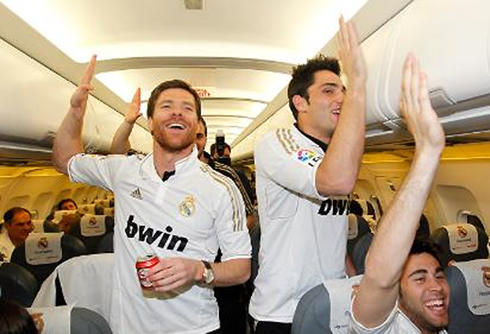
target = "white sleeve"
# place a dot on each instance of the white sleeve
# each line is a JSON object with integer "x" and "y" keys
{"x": 288, "y": 168}
{"x": 231, "y": 224}
{"x": 97, "y": 170}
{"x": 386, "y": 327}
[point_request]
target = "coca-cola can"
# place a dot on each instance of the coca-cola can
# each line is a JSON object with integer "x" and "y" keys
{"x": 143, "y": 265}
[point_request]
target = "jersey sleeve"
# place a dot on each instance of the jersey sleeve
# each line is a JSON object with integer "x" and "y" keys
{"x": 292, "y": 168}
{"x": 356, "y": 328}
{"x": 231, "y": 224}
{"x": 97, "y": 170}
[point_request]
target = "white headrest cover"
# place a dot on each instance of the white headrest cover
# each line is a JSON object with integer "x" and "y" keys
{"x": 58, "y": 215}
{"x": 463, "y": 238}
{"x": 341, "y": 292}
{"x": 56, "y": 320}
{"x": 92, "y": 225}
{"x": 477, "y": 276}
{"x": 43, "y": 248}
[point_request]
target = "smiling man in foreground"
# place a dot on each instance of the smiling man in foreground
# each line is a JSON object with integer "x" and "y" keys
{"x": 404, "y": 289}
{"x": 168, "y": 204}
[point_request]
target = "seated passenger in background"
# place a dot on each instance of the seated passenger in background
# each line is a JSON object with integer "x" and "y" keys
{"x": 404, "y": 289}
{"x": 67, "y": 204}
{"x": 67, "y": 221}
{"x": 14, "y": 231}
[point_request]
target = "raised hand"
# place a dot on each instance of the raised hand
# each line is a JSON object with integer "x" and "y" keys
{"x": 415, "y": 107}
{"x": 350, "y": 53}
{"x": 79, "y": 98}
{"x": 134, "y": 108}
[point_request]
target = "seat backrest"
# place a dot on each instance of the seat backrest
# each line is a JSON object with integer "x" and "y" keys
{"x": 358, "y": 227}
{"x": 475, "y": 221}
{"x": 70, "y": 247}
{"x": 73, "y": 320}
{"x": 325, "y": 309}
{"x": 18, "y": 284}
{"x": 359, "y": 252}
{"x": 469, "y": 307}
{"x": 69, "y": 281}
{"x": 460, "y": 242}
{"x": 106, "y": 243}
{"x": 423, "y": 232}
{"x": 85, "y": 321}
{"x": 92, "y": 242}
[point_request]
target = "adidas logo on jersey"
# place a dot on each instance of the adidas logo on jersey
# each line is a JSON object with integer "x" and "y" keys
{"x": 136, "y": 193}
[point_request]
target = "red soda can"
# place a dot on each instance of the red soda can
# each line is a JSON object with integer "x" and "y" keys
{"x": 143, "y": 265}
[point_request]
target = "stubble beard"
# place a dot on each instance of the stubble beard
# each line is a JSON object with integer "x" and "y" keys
{"x": 419, "y": 317}
{"x": 169, "y": 144}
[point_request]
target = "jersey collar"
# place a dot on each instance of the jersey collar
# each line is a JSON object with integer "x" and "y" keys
{"x": 188, "y": 163}
{"x": 322, "y": 145}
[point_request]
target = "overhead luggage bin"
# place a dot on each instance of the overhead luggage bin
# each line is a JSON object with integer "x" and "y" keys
{"x": 451, "y": 39}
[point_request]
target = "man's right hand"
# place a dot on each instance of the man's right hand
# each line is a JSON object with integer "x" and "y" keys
{"x": 417, "y": 110}
{"x": 134, "y": 111}
{"x": 79, "y": 98}
{"x": 350, "y": 53}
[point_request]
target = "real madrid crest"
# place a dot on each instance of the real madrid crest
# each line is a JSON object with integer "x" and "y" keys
{"x": 187, "y": 207}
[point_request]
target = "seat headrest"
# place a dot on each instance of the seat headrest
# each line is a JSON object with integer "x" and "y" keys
{"x": 92, "y": 225}
{"x": 56, "y": 320}
{"x": 59, "y": 214}
{"x": 325, "y": 309}
{"x": 460, "y": 242}
{"x": 43, "y": 248}
{"x": 17, "y": 283}
{"x": 469, "y": 308}
{"x": 87, "y": 208}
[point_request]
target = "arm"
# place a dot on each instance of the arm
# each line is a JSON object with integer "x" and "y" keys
{"x": 337, "y": 173}
{"x": 172, "y": 273}
{"x": 120, "y": 142}
{"x": 391, "y": 245}
{"x": 68, "y": 140}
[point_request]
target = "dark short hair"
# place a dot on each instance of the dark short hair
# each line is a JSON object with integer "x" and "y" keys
{"x": 63, "y": 201}
{"x": 424, "y": 245}
{"x": 171, "y": 84}
{"x": 15, "y": 319}
{"x": 8, "y": 217}
{"x": 203, "y": 122}
{"x": 212, "y": 149}
{"x": 304, "y": 76}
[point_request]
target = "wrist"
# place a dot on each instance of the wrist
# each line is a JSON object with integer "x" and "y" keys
{"x": 200, "y": 269}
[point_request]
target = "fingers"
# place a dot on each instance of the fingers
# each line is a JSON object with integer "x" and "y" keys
{"x": 347, "y": 35}
{"x": 424, "y": 99}
{"x": 406, "y": 98}
{"x": 89, "y": 72}
{"x": 343, "y": 35}
{"x": 172, "y": 273}
{"x": 137, "y": 97}
{"x": 134, "y": 108}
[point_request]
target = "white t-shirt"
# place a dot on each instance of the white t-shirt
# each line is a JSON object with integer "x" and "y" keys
{"x": 303, "y": 235}
{"x": 6, "y": 245}
{"x": 396, "y": 323}
{"x": 189, "y": 215}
